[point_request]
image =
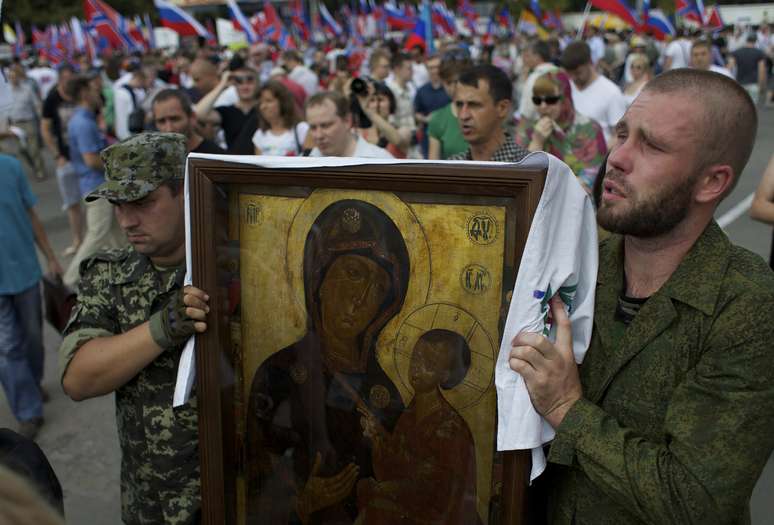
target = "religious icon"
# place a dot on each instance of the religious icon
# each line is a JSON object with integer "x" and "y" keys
{"x": 303, "y": 417}
{"x": 424, "y": 470}
{"x": 348, "y": 377}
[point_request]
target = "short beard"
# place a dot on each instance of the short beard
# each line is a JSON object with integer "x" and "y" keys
{"x": 656, "y": 215}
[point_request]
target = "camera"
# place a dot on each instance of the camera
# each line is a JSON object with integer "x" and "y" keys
{"x": 359, "y": 87}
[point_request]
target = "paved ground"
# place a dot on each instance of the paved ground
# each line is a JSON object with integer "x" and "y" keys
{"x": 80, "y": 438}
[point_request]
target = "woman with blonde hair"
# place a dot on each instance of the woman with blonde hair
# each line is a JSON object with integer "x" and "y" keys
{"x": 641, "y": 74}
{"x": 561, "y": 131}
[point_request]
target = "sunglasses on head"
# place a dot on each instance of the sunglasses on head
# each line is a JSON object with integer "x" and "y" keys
{"x": 550, "y": 100}
{"x": 242, "y": 79}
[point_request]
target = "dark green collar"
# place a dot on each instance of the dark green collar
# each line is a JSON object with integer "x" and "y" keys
{"x": 696, "y": 281}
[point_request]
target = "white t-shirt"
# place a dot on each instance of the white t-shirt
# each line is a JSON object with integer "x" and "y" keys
{"x": 123, "y": 107}
{"x": 283, "y": 145}
{"x": 363, "y": 149}
{"x": 45, "y": 78}
{"x": 721, "y": 70}
{"x": 307, "y": 78}
{"x": 680, "y": 52}
{"x": 602, "y": 101}
{"x": 597, "y": 48}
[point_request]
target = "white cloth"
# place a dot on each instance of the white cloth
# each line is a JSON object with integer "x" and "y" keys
{"x": 602, "y": 101}
{"x": 363, "y": 149}
{"x": 306, "y": 78}
{"x": 597, "y": 48}
{"x": 123, "y": 107}
{"x": 419, "y": 74}
{"x": 281, "y": 145}
{"x": 560, "y": 256}
{"x": 526, "y": 107}
{"x": 228, "y": 97}
{"x": 680, "y": 52}
{"x": 721, "y": 70}
{"x": 45, "y": 78}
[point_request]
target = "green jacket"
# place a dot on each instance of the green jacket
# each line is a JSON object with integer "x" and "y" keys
{"x": 119, "y": 290}
{"x": 677, "y": 419}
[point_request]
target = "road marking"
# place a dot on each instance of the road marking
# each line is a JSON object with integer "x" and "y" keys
{"x": 736, "y": 212}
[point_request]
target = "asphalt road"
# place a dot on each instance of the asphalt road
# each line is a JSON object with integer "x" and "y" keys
{"x": 80, "y": 439}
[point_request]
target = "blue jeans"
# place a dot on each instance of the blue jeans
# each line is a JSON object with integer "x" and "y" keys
{"x": 21, "y": 352}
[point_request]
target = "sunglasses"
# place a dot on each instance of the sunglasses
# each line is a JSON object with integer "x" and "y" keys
{"x": 240, "y": 79}
{"x": 550, "y": 100}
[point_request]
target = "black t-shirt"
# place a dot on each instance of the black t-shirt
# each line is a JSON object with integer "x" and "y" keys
{"x": 233, "y": 121}
{"x": 208, "y": 146}
{"x": 747, "y": 59}
{"x": 59, "y": 111}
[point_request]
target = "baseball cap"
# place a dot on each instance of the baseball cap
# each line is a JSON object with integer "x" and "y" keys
{"x": 138, "y": 165}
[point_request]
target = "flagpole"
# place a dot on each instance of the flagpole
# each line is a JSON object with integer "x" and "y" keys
{"x": 586, "y": 12}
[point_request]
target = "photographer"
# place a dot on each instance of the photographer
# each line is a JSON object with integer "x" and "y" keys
{"x": 377, "y": 103}
{"x": 235, "y": 117}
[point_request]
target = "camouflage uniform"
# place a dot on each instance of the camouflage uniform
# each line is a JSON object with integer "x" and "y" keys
{"x": 120, "y": 290}
{"x": 676, "y": 421}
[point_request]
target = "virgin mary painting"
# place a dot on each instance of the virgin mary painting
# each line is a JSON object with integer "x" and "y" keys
{"x": 305, "y": 446}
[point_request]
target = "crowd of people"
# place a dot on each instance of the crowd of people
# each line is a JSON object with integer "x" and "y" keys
{"x": 119, "y": 128}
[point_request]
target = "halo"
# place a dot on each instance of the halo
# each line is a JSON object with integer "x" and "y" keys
{"x": 453, "y": 318}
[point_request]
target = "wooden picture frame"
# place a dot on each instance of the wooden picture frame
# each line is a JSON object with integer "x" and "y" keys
{"x": 259, "y": 238}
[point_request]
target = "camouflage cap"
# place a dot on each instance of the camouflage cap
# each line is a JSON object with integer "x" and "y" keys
{"x": 138, "y": 165}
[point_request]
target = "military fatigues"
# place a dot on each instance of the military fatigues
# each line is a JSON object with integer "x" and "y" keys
{"x": 159, "y": 445}
{"x": 676, "y": 421}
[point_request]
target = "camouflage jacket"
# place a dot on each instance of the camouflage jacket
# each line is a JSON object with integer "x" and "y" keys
{"x": 677, "y": 419}
{"x": 119, "y": 290}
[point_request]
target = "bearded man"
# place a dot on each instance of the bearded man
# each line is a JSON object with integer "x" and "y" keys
{"x": 669, "y": 418}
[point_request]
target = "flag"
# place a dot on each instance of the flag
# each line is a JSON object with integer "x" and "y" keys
{"x": 174, "y": 18}
{"x": 79, "y": 38}
{"x": 528, "y": 23}
{"x": 468, "y": 12}
{"x": 505, "y": 21}
{"x": 553, "y": 20}
{"x": 443, "y": 19}
{"x": 9, "y": 34}
{"x": 54, "y": 51}
{"x": 329, "y": 23}
{"x": 149, "y": 36}
{"x": 713, "y": 19}
{"x": 689, "y": 9}
{"x": 621, "y": 9}
{"x": 300, "y": 19}
{"x": 240, "y": 21}
{"x": 211, "y": 39}
{"x": 659, "y": 25}
{"x": 21, "y": 41}
{"x": 534, "y": 6}
{"x": 397, "y": 19}
{"x": 272, "y": 26}
{"x": 286, "y": 40}
{"x": 418, "y": 34}
{"x": 108, "y": 23}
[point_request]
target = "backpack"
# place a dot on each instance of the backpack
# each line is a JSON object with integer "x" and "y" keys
{"x": 137, "y": 115}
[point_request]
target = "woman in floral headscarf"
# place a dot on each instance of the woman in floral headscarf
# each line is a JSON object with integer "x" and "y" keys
{"x": 561, "y": 131}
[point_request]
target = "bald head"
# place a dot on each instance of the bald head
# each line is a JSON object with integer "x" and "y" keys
{"x": 729, "y": 117}
{"x": 204, "y": 75}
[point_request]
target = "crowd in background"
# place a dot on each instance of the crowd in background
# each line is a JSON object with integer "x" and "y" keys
{"x": 557, "y": 94}
{"x": 465, "y": 101}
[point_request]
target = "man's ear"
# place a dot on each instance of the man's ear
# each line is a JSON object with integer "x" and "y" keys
{"x": 714, "y": 182}
{"x": 503, "y": 108}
